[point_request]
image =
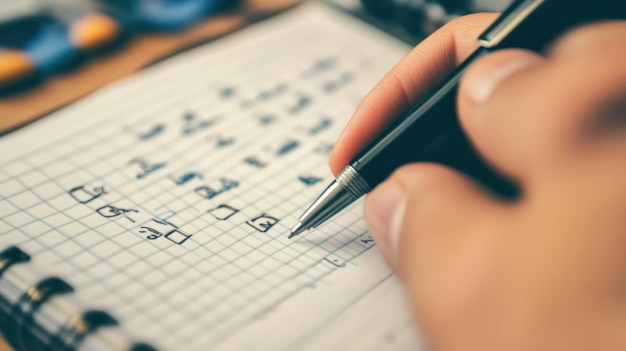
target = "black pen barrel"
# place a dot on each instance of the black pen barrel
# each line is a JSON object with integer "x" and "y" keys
{"x": 430, "y": 133}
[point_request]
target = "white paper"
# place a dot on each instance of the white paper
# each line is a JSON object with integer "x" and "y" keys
{"x": 166, "y": 199}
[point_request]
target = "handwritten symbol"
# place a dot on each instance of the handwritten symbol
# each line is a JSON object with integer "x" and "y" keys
{"x": 262, "y": 223}
{"x": 332, "y": 85}
{"x": 265, "y": 94}
{"x": 210, "y": 193}
{"x": 323, "y": 65}
{"x": 109, "y": 211}
{"x": 156, "y": 233}
{"x": 185, "y": 178}
{"x": 309, "y": 180}
{"x": 366, "y": 240}
{"x": 223, "y": 212}
{"x": 287, "y": 147}
{"x": 152, "y": 132}
{"x": 227, "y": 92}
{"x": 220, "y": 141}
{"x": 254, "y": 161}
{"x": 193, "y": 125}
{"x": 321, "y": 126}
{"x": 266, "y": 120}
{"x": 84, "y": 196}
{"x": 302, "y": 102}
{"x": 270, "y": 93}
{"x": 146, "y": 168}
{"x": 335, "y": 261}
{"x": 172, "y": 232}
{"x": 177, "y": 237}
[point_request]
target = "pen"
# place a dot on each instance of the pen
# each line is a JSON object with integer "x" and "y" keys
{"x": 430, "y": 131}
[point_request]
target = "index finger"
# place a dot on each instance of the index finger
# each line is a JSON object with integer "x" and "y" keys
{"x": 426, "y": 65}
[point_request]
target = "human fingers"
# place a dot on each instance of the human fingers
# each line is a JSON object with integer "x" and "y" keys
{"x": 588, "y": 38}
{"x": 441, "y": 232}
{"x": 424, "y": 202}
{"x": 493, "y": 139}
{"x": 535, "y": 109}
{"x": 421, "y": 69}
{"x": 603, "y": 45}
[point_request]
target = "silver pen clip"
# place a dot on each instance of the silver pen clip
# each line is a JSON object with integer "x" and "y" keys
{"x": 507, "y": 22}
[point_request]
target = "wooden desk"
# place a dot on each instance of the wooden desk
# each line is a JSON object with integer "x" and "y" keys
{"x": 142, "y": 51}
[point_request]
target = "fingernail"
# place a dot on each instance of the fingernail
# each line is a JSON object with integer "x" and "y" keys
{"x": 384, "y": 212}
{"x": 484, "y": 78}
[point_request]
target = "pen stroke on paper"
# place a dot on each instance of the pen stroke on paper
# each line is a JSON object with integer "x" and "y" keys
{"x": 184, "y": 181}
{"x": 151, "y": 164}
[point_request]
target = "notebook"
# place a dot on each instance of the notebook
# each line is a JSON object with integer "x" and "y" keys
{"x": 154, "y": 214}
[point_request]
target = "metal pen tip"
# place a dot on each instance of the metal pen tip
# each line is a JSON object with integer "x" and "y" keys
{"x": 297, "y": 229}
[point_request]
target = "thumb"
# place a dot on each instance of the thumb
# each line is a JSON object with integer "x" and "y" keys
{"x": 437, "y": 229}
{"x": 423, "y": 211}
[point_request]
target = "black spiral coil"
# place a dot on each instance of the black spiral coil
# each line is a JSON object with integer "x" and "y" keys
{"x": 19, "y": 325}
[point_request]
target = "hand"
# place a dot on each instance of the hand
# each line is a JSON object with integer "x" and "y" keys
{"x": 544, "y": 272}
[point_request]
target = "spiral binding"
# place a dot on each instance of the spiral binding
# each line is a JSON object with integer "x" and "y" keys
{"x": 8, "y": 258}
{"x": 78, "y": 327}
{"x": 17, "y": 321}
{"x": 23, "y": 332}
{"x": 11, "y": 256}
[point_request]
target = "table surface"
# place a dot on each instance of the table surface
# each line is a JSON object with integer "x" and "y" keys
{"x": 143, "y": 50}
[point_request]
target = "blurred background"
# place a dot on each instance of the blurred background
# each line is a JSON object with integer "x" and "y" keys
{"x": 42, "y": 38}
{"x": 412, "y": 20}
{"x": 53, "y": 52}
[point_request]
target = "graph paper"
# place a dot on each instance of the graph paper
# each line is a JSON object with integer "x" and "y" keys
{"x": 166, "y": 198}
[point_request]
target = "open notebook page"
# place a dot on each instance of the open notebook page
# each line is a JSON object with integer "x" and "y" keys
{"x": 166, "y": 198}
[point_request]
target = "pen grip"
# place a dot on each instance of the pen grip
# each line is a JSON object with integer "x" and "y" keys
{"x": 453, "y": 149}
{"x": 430, "y": 132}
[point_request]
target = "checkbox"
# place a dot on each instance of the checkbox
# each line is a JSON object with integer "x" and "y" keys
{"x": 177, "y": 237}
